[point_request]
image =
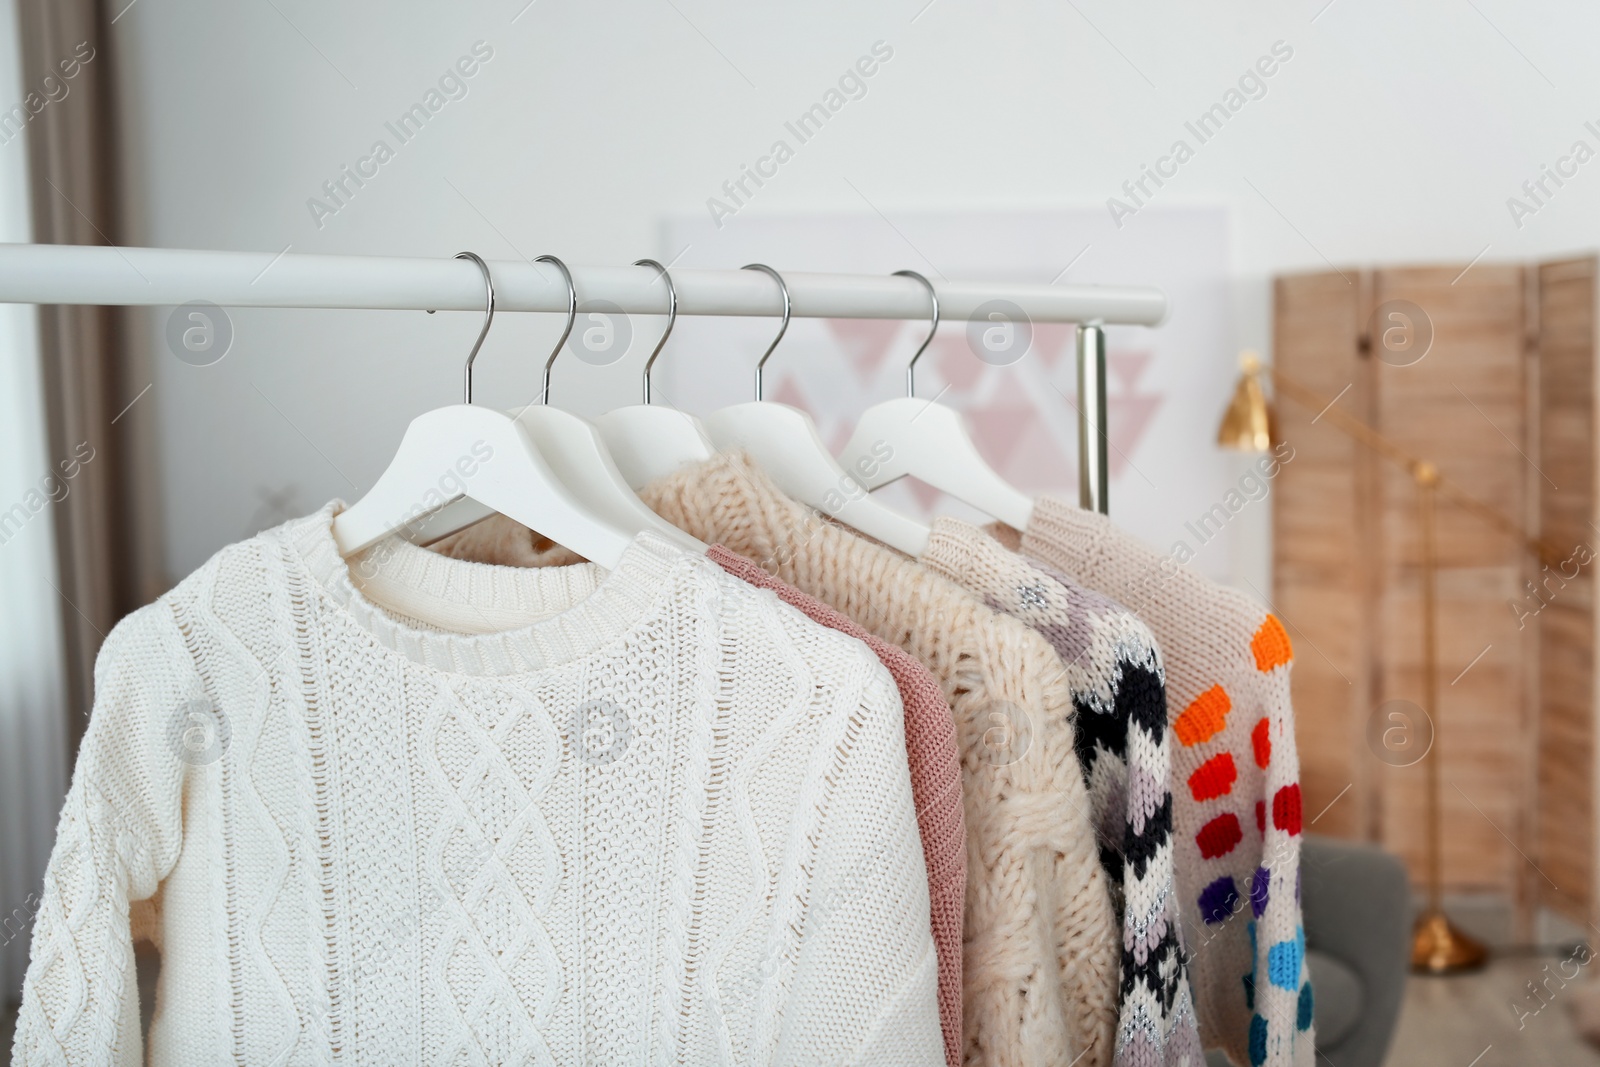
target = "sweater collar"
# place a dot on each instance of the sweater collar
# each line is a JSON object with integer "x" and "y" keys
{"x": 474, "y": 618}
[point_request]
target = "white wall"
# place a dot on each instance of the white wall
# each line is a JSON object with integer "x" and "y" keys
{"x": 33, "y": 723}
{"x": 1394, "y": 133}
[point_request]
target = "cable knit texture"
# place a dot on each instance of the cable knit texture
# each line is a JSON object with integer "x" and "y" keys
{"x": 930, "y": 736}
{"x": 1118, "y": 688}
{"x": 1040, "y": 955}
{"x": 665, "y": 820}
{"x": 1237, "y": 812}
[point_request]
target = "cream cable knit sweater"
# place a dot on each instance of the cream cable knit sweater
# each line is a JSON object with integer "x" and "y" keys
{"x": 1236, "y": 782}
{"x": 931, "y": 753}
{"x": 1040, "y": 966}
{"x": 667, "y": 820}
{"x": 1114, "y": 667}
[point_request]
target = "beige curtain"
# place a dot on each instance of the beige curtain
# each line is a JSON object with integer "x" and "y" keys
{"x": 103, "y": 527}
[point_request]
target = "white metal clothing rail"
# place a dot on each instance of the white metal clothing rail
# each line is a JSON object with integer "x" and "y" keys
{"x": 84, "y": 274}
{"x": 81, "y": 274}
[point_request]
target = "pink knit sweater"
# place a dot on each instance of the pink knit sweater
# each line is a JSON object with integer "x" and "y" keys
{"x": 930, "y": 737}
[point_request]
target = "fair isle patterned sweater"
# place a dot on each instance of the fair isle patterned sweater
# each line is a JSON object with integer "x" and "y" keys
{"x": 1114, "y": 669}
{"x": 1236, "y": 780}
{"x": 649, "y": 816}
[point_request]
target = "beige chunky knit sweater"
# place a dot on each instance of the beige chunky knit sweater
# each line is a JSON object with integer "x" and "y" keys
{"x": 1042, "y": 943}
{"x": 1236, "y": 781}
{"x": 650, "y": 816}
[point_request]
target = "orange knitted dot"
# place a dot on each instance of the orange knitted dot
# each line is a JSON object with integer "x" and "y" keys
{"x": 1271, "y": 645}
{"x": 1262, "y": 742}
{"x": 1204, "y": 717}
{"x": 1214, "y": 778}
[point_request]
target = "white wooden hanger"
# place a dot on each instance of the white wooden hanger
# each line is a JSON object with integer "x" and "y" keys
{"x": 575, "y": 451}
{"x": 785, "y": 442}
{"x": 650, "y": 441}
{"x": 930, "y": 442}
{"x": 482, "y": 454}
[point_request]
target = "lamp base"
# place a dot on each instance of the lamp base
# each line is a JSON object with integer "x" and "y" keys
{"x": 1438, "y": 948}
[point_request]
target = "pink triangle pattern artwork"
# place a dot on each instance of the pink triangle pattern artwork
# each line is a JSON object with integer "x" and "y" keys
{"x": 999, "y": 426}
{"x": 786, "y": 392}
{"x": 1024, "y": 427}
{"x": 959, "y": 368}
{"x": 1050, "y": 339}
{"x": 865, "y": 341}
{"x": 1128, "y": 411}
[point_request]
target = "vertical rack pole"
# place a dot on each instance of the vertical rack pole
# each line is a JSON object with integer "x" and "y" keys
{"x": 1427, "y": 479}
{"x": 1093, "y": 470}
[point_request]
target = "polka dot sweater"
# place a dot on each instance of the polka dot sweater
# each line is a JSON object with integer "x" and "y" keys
{"x": 1114, "y": 669}
{"x": 648, "y": 816}
{"x": 1236, "y": 782}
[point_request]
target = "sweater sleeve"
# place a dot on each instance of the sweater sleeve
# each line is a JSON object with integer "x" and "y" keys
{"x": 865, "y": 983}
{"x": 119, "y": 834}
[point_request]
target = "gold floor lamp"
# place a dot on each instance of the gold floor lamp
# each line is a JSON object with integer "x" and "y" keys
{"x": 1437, "y": 945}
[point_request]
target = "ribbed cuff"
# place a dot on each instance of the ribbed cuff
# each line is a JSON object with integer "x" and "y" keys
{"x": 1065, "y": 536}
{"x": 949, "y": 550}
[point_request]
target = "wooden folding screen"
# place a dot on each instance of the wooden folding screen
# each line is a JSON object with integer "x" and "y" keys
{"x": 1346, "y": 553}
{"x": 1563, "y": 783}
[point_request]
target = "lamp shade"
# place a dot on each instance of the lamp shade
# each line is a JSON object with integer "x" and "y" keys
{"x": 1247, "y": 424}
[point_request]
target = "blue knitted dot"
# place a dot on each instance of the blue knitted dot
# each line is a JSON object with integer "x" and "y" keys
{"x": 1303, "y": 1019}
{"x": 1258, "y": 1041}
{"x": 1218, "y": 900}
{"x": 1249, "y": 981}
{"x": 1260, "y": 886}
{"x": 1284, "y": 959}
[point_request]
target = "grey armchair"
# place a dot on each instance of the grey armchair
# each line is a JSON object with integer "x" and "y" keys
{"x": 1356, "y": 901}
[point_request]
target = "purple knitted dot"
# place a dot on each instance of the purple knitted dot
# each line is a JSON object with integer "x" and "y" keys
{"x": 1260, "y": 885}
{"x": 1218, "y": 900}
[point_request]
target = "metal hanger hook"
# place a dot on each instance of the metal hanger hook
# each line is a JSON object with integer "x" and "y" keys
{"x": 783, "y": 287}
{"x": 672, "y": 317}
{"x": 911, "y": 368}
{"x": 572, "y": 317}
{"x": 488, "y": 317}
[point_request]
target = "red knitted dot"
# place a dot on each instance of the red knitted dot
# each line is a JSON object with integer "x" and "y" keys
{"x": 1263, "y": 743}
{"x": 1286, "y": 809}
{"x": 1261, "y": 815}
{"x": 1219, "y": 836}
{"x": 1214, "y": 778}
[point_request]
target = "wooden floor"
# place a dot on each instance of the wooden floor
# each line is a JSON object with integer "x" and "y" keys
{"x": 1470, "y": 1021}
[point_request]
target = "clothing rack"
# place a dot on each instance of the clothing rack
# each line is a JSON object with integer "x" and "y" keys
{"x": 82, "y": 274}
